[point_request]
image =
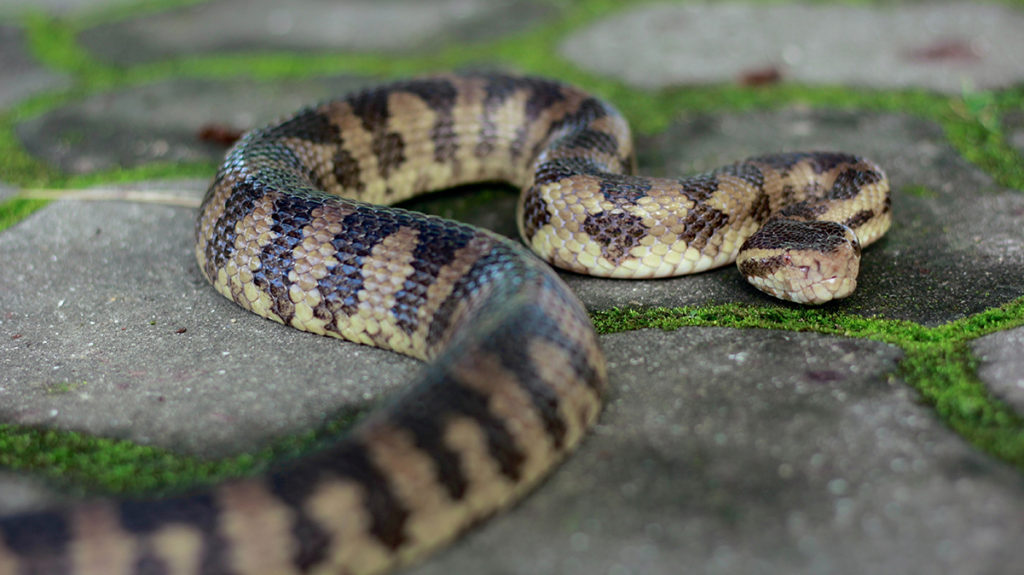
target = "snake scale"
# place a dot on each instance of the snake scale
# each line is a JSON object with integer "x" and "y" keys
{"x": 514, "y": 376}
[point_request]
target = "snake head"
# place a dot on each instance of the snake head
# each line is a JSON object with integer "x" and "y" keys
{"x": 804, "y": 262}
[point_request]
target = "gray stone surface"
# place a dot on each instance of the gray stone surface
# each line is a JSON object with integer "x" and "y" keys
{"x": 24, "y": 493}
{"x": 1014, "y": 122}
{"x": 20, "y": 75}
{"x": 110, "y": 329}
{"x": 266, "y": 25}
{"x": 1001, "y": 365}
{"x": 765, "y": 452}
{"x": 941, "y": 46}
{"x": 6, "y": 191}
{"x": 161, "y": 122}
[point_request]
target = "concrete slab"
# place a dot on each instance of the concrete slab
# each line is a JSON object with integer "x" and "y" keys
{"x": 762, "y": 452}
{"x": 6, "y": 191}
{"x": 161, "y": 122}
{"x": 106, "y": 319}
{"x": 937, "y": 45}
{"x": 1014, "y": 123}
{"x": 225, "y": 26}
{"x": 20, "y": 493}
{"x": 1001, "y": 365}
{"x": 20, "y": 75}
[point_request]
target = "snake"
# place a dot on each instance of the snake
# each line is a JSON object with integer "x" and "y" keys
{"x": 298, "y": 226}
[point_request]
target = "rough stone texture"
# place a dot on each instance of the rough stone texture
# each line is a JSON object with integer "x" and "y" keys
{"x": 266, "y": 25}
{"x": 23, "y": 493}
{"x": 94, "y": 300}
{"x": 20, "y": 75}
{"x": 940, "y": 46}
{"x": 6, "y": 191}
{"x": 1015, "y": 130}
{"x": 162, "y": 122}
{"x": 1001, "y": 357}
{"x": 764, "y": 452}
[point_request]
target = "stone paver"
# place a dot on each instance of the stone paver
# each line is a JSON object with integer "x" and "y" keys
{"x": 405, "y": 26}
{"x": 721, "y": 451}
{"x": 940, "y": 46}
{"x": 22, "y": 493}
{"x": 1002, "y": 365}
{"x": 775, "y": 453}
{"x": 20, "y": 75}
{"x": 110, "y": 339}
{"x": 162, "y": 122}
{"x": 1015, "y": 130}
{"x": 6, "y": 191}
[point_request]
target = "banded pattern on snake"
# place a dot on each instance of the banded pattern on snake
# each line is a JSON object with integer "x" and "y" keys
{"x": 514, "y": 375}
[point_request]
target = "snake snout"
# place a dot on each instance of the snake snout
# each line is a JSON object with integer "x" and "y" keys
{"x": 820, "y": 267}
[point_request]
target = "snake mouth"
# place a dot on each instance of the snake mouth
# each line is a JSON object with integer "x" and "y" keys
{"x": 831, "y": 288}
{"x": 810, "y": 262}
{"x": 802, "y": 277}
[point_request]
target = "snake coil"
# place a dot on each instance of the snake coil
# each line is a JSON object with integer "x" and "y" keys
{"x": 514, "y": 375}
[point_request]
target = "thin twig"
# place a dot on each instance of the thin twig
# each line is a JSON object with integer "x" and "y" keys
{"x": 168, "y": 198}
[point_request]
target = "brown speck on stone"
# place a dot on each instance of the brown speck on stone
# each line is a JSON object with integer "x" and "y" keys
{"x": 945, "y": 51}
{"x": 220, "y": 134}
{"x": 760, "y": 76}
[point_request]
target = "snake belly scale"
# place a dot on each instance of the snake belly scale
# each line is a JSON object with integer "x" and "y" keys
{"x": 291, "y": 229}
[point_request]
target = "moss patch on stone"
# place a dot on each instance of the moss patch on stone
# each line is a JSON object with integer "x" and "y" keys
{"x": 83, "y": 464}
{"x": 14, "y": 210}
{"x": 937, "y": 361}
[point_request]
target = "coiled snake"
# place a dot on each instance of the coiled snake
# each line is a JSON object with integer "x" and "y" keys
{"x": 515, "y": 375}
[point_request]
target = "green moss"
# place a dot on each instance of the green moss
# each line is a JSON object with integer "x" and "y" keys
{"x": 937, "y": 361}
{"x": 462, "y": 204}
{"x": 72, "y": 460}
{"x": 16, "y": 165}
{"x": 919, "y": 191}
{"x": 944, "y": 374}
{"x": 64, "y": 387}
{"x": 14, "y": 210}
{"x": 977, "y": 134}
{"x": 53, "y": 43}
{"x": 82, "y": 463}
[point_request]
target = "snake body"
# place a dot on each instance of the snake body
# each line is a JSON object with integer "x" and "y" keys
{"x": 514, "y": 375}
